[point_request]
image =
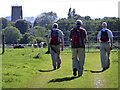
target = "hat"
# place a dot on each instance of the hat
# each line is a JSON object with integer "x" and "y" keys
{"x": 79, "y": 23}
{"x": 55, "y": 25}
{"x": 104, "y": 24}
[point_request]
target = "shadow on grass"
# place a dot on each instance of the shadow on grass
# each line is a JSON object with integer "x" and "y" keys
{"x": 62, "y": 79}
{"x": 87, "y": 70}
{"x": 94, "y": 71}
{"x": 46, "y": 70}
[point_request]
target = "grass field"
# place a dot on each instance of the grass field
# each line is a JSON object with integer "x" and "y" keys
{"x": 21, "y": 70}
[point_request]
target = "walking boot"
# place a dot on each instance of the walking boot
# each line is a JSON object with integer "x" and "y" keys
{"x": 75, "y": 71}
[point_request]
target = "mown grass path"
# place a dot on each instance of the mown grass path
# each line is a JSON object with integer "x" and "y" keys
{"x": 63, "y": 78}
{"x": 21, "y": 70}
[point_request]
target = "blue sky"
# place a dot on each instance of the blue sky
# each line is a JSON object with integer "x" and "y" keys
{"x": 93, "y": 8}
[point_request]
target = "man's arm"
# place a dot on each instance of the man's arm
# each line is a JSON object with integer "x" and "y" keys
{"x": 111, "y": 39}
{"x": 111, "y": 43}
{"x": 49, "y": 38}
{"x": 62, "y": 39}
{"x": 62, "y": 42}
{"x": 98, "y": 36}
{"x": 70, "y": 36}
{"x": 86, "y": 36}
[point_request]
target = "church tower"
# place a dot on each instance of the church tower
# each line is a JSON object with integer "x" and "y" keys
{"x": 16, "y": 13}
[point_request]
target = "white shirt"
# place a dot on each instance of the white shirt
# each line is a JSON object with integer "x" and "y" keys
{"x": 110, "y": 34}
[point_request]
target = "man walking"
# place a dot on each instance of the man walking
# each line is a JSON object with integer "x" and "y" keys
{"x": 56, "y": 42}
{"x": 78, "y": 37}
{"x": 105, "y": 37}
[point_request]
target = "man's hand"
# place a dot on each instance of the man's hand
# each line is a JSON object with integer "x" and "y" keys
{"x": 62, "y": 49}
{"x": 110, "y": 47}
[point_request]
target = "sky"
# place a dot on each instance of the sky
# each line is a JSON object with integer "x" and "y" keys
{"x": 92, "y": 8}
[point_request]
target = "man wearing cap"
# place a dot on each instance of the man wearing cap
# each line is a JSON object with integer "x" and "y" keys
{"x": 105, "y": 37}
{"x": 56, "y": 42}
{"x": 78, "y": 38}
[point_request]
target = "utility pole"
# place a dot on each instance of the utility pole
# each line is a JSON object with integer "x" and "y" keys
{"x": 3, "y": 44}
{"x": 2, "y": 40}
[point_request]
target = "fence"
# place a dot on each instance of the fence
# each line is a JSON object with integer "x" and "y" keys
{"x": 92, "y": 44}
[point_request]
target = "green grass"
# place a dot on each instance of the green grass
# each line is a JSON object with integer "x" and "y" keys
{"x": 21, "y": 70}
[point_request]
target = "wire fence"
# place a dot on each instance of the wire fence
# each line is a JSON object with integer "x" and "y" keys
{"x": 92, "y": 44}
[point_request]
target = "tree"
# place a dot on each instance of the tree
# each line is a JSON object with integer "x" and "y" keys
{"x": 87, "y": 18}
{"x": 4, "y": 22}
{"x": 12, "y": 35}
{"x": 73, "y": 12}
{"x": 11, "y": 24}
{"x": 69, "y": 13}
{"x": 22, "y": 25}
{"x": 66, "y": 24}
{"x": 39, "y": 31}
{"x": 45, "y": 19}
{"x": 26, "y": 39}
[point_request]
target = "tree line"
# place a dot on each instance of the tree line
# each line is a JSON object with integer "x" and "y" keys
{"x": 25, "y": 32}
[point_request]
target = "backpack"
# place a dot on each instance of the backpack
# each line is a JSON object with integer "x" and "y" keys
{"x": 54, "y": 37}
{"x": 104, "y": 36}
{"x": 77, "y": 36}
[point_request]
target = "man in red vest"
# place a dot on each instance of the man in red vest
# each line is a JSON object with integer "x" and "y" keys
{"x": 78, "y": 38}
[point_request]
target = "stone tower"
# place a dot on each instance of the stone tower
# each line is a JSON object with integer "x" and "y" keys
{"x": 16, "y": 13}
